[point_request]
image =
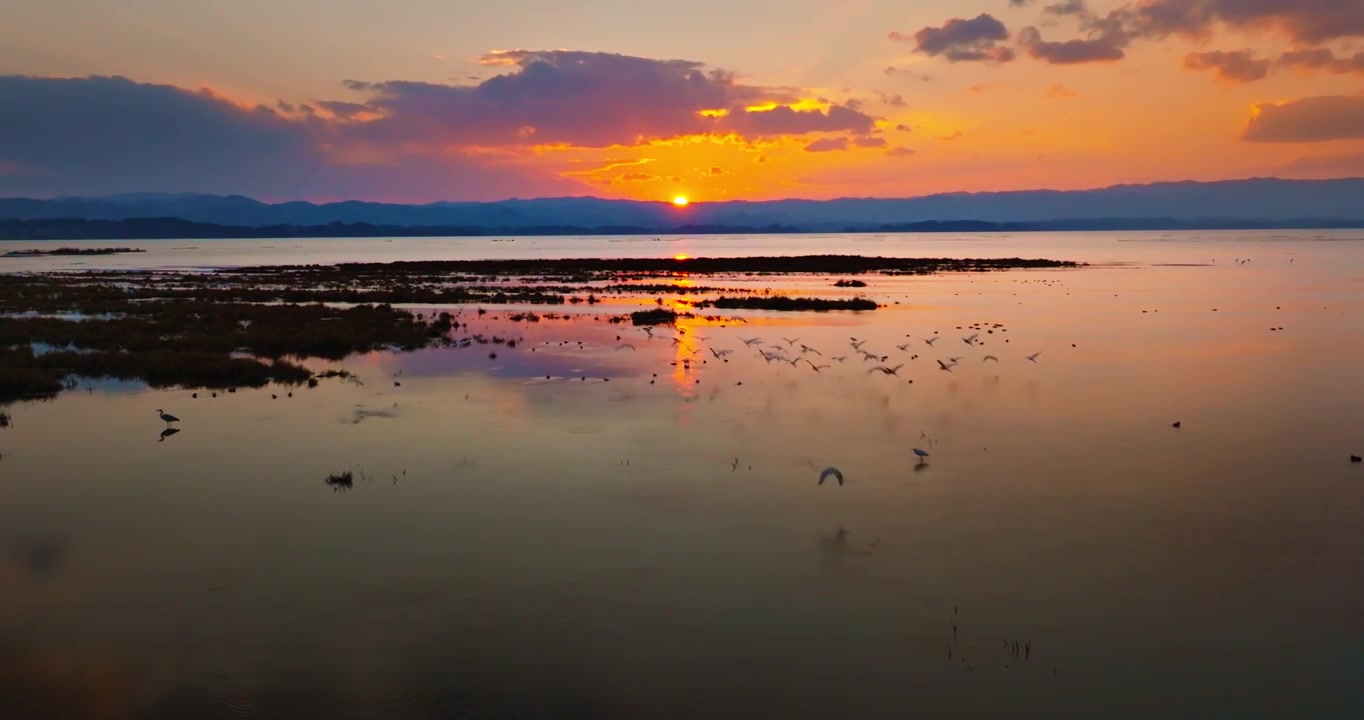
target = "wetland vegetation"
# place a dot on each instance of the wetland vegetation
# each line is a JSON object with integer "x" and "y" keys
{"x": 249, "y": 327}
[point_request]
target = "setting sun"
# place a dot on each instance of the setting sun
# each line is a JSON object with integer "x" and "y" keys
{"x": 681, "y": 201}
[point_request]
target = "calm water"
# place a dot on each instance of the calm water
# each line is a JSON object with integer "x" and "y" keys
{"x": 523, "y": 547}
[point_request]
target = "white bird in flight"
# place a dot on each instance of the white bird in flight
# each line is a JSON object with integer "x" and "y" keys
{"x": 791, "y": 342}
{"x": 887, "y": 370}
{"x": 750, "y": 342}
{"x": 831, "y": 471}
{"x": 808, "y": 349}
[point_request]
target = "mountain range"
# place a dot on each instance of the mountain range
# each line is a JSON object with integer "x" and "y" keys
{"x": 1259, "y": 202}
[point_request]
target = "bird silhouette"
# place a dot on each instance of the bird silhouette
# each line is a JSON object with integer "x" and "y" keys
{"x": 831, "y": 472}
{"x": 167, "y": 418}
{"x": 1033, "y": 357}
{"x": 930, "y": 341}
{"x": 990, "y": 357}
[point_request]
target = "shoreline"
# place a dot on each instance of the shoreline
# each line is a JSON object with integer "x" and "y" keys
{"x": 249, "y": 327}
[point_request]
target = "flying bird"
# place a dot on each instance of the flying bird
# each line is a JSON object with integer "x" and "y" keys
{"x": 791, "y": 342}
{"x": 930, "y": 341}
{"x": 840, "y": 358}
{"x": 990, "y": 357}
{"x": 1033, "y": 357}
{"x": 970, "y": 340}
{"x": 831, "y": 471}
{"x": 808, "y": 349}
{"x": 944, "y": 366}
{"x": 719, "y": 353}
{"x": 622, "y": 346}
{"x": 750, "y": 342}
{"x": 857, "y": 344}
{"x": 817, "y": 368}
{"x": 887, "y": 370}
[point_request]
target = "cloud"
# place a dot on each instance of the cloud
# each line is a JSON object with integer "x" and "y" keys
{"x": 870, "y": 142}
{"x": 1104, "y": 47}
{"x": 1322, "y": 59}
{"x": 716, "y": 170}
{"x": 1067, "y": 7}
{"x": 760, "y": 159}
{"x": 895, "y": 100}
{"x": 784, "y": 120}
{"x": 901, "y": 127}
{"x": 1060, "y": 92}
{"x": 1303, "y": 22}
{"x": 828, "y": 145}
{"x": 961, "y": 40}
{"x": 635, "y": 177}
{"x": 1313, "y": 119}
{"x": 391, "y": 140}
{"x": 1232, "y": 66}
{"x": 899, "y": 152}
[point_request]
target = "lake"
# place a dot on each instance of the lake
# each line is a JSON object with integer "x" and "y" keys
{"x": 592, "y": 527}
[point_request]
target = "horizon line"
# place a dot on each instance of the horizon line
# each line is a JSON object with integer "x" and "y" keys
{"x": 691, "y": 203}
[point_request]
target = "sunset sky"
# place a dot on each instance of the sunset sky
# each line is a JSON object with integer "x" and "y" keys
{"x": 424, "y": 100}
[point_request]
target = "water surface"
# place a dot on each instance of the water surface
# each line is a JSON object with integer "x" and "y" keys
{"x": 586, "y": 546}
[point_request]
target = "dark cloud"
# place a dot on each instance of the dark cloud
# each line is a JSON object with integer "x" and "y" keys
{"x": 101, "y": 135}
{"x": 1100, "y": 48}
{"x": 1314, "y": 119}
{"x": 1304, "y": 21}
{"x": 589, "y": 100}
{"x": 784, "y": 120}
{"x": 828, "y": 145}
{"x": 899, "y": 152}
{"x": 1108, "y": 36}
{"x": 636, "y": 177}
{"x": 1233, "y": 66}
{"x": 716, "y": 170}
{"x": 1322, "y": 59}
{"x": 870, "y": 142}
{"x": 962, "y": 40}
{"x": 394, "y": 140}
{"x": 1077, "y": 8}
{"x": 1020, "y": 3}
{"x": 901, "y": 127}
{"x": 895, "y": 100}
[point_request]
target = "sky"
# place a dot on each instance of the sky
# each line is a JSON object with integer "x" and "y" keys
{"x": 431, "y": 100}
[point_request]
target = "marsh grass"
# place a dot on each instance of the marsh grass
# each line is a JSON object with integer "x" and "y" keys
{"x": 340, "y": 482}
{"x": 788, "y": 304}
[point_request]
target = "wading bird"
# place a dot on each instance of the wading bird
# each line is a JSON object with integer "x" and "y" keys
{"x": 923, "y": 454}
{"x": 166, "y": 417}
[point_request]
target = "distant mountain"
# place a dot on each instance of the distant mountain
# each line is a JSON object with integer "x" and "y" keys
{"x": 178, "y": 229}
{"x": 1257, "y": 202}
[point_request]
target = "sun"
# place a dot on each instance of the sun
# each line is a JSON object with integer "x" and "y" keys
{"x": 681, "y": 201}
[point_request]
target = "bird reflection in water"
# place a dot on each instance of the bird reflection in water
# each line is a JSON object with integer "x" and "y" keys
{"x": 167, "y": 433}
